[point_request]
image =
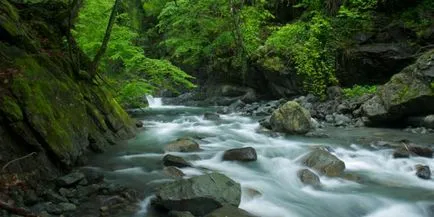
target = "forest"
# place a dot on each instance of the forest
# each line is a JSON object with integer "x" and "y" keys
{"x": 216, "y": 108}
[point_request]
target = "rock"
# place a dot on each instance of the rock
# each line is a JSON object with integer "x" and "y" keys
{"x": 265, "y": 122}
{"x": 315, "y": 124}
{"x": 67, "y": 207}
{"x": 406, "y": 150}
{"x": 240, "y": 154}
{"x": 211, "y": 116}
{"x": 341, "y": 120}
{"x": 199, "y": 195}
{"x": 307, "y": 177}
{"x": 408, "y": 93}
{"x": 291, "y": 118}
{"x": 423, "y": 121}
{"x": 324, "y": 163}
{"x": 334, "y": 92}
{"x": 317, "y": 134}
{"x": 70, "y": 179}
{"x": 139, "y": 124}
{"x": 173, "y": 172}
{"x": 423, "y": 171}
{"x": 229, "y": 211}
{"x": 180, "y": 214}
{"x": 52, "y": 196}
{"x": 30, "y": 198}
{"x": 182, "y": 145}
{"x": 253, "y": 192}
{"x": 171, "y": 160}
{"x": 373, "y": 63}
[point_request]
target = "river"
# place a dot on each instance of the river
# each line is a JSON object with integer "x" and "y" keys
{"x": 390, "y": 187}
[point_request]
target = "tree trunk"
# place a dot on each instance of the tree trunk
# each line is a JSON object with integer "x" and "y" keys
{"x": 103, "y": 48}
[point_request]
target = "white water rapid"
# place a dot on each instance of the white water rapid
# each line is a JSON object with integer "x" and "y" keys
{"x": 389, "y": 187}
{"x": 154, "y": 102}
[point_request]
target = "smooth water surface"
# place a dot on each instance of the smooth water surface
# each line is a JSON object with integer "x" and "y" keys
{"x": 390, "y": 187}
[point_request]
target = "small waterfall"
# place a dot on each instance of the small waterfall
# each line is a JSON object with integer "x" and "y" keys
{"x": 154, "y": 102}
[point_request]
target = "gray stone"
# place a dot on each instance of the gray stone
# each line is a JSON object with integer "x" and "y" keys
{"x": 211, "y": 116}
{"x": 291, "y": 118}
{"x": 307, "y": 177}
{"x": 180, "y": 214}
{"x": 324, "y": 163}
{"x": 199, "y": 195}
{"x": 341, "y": 120}
{"x": 52, "y": 196}
{"x": 171, "y": 160}
{"x": 182, "y": 145}
{"x": 240, "y": 154}
{"x": 406, "y": 150}
{"x": 229, "y": 211}
{"x": 70, "y": 179}
{"x": 67, "y": 207}
{"x": 423, "y": 171}
{"x": 173, "y": 172}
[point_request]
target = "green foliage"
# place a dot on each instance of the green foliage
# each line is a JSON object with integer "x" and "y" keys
{"x": 202, "y": 32}
{"x": 419, "y": 18}
{"x": 136, "y": 71}
{"x": 357, "y": 91}
{"x": 306, "y": 43}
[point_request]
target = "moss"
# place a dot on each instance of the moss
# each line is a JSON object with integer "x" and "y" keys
{"x": 11, "y": 109}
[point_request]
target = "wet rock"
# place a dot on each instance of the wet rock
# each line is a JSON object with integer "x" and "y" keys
{"x": 182, "y": 145}
{"x": 324, "y": 163}
{"x": 139, "y": 124}
{"x": 250, "y": 192}
{"x": 229, "y": 211}
{"x": 423, "y": 171}
{"x": 240, "y": 154}
{"x": 291, "y": 118}
{"x": 353, "y": 177}
{"x": 70, "y": 179}
{"x": 67, "y": 207}
{"x": 422, "y": 121}
{"x": 211, "y": 116}
{"x": 407, "y": 150}
{"x": 307, "y": 177}
{"x": 199, "y": 195}
{"x": 317, "y": 134}
{"x": 31, "y": 198}
{"x": 265, "y": 122}
{"x": 172, "y": 160}
{"x": 52, "y": 196}
{"x": 173, "y": 172}
{"x": 180, "y": 214}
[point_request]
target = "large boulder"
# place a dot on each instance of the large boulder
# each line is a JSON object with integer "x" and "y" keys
{"x": 408, "y": 93}
{"x": 199, "y": 195}
{"x": 229, "y": 211}
{"x": 182, "y": 145}
{"x": 406, "y": 150}
{"x": 240, "y": 154}
{"x": 291, "y": 118}
{"x": 324, "y": 162}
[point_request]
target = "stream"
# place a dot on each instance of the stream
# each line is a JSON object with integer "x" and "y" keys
{"x": 389, "y": 188}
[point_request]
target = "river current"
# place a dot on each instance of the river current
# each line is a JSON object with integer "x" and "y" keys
{"x": 390, "y": 187}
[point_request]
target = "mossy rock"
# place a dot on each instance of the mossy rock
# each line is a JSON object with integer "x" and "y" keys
{"x": 291, "y": 118}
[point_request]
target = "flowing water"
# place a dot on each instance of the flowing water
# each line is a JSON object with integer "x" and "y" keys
{"x": 389, "y": 188}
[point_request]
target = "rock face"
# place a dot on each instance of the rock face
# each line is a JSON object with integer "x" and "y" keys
{"x": 199, "y": 195}
{"x": 229, "y": 211}
{"x": 408, "y": 93}
{"x": 291, "y": 118}
{"x": 182, "y": 145}
{"x": 423, "y": 171}
{"x": 324, "y": 162}
{"x": 307, "y": 177}
{"x": 48, "y": 105}
{"x": 171, "y": 160}
{"x": 424, "y": 121}
{"x": 240, "y": 154}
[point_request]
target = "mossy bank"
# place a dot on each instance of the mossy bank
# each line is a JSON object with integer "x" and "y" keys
{"x": 49, "y": 106}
